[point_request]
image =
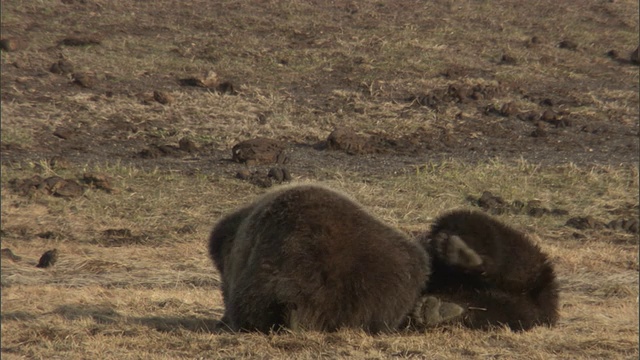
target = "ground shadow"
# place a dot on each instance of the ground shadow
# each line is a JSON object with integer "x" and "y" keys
{"x": 101, "y": 314}
{"x": 173, "y": 323}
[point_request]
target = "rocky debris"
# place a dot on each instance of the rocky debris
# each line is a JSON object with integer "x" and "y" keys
{"x": 275, "y": 175}
{"x": 259, "y": 151}
{"x": 555, "y": 119}
{"x": 584, "y": 223}
{"x": 186, "y": 229}
{"x": 497, "y": 205}
{"x": 590, "y": 223}
{"x": 634, "y": 57}
{"x": 53, "y": 185}
{"x": 568, "y": 45}
{"x": 62, "y": 67}
{"x": 187, "y": 145}
{"x": 243, "y": 174}
{"x": 613, "y": 54}
{"x": 86, "y": 79}
{"x": 155, "y": 151}
{"x": 209, "y": 80}
{"x": 83, "y": 40}
{"x": 540, "y": 130}
{"x": 50, "y": 235}
{"x": 507, "y": 59}
{"x": 506, "y": 110}
{"x": 64, "y": 132}
{"x": 120, "y": 237}
{"x": 348, "y": 141}
{"x": 533, "y": 41}
{"x": 66, "y": 188}
{"x": 279, "y": 174}
{"x": 628, "y": 225}
{"x": 48, "y": 259}
{"x": 59, "y": 163}
{"x": 162, "y": 97}
{"x": 99, "y": 181}
{"x": 11, "y": 44}
{"x": 226, "y": 87}
{"x": 8, "y": 254}
{"x": 456, "y": 93}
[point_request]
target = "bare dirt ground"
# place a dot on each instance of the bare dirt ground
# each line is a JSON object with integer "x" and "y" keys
{"x": 124, "y": 129}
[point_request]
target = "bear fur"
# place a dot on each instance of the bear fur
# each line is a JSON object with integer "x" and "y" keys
{"x": 306, "y": 257}
{"x": 497, "y": 274}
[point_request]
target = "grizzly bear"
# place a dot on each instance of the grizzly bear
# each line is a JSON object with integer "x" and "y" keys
{"x": 306, "y": 257}
{"x": 496, "y": 273}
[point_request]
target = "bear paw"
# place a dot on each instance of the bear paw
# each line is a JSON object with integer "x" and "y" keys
{"x": 454, "y": 251}
{"x": 430, "y": 311}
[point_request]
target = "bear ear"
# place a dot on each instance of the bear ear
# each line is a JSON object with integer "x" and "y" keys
{"x": 452, "y": 250}
{"x": 223, "y": 235}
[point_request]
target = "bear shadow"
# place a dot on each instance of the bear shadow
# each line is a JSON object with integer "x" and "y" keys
{"x": 106, "y": 315}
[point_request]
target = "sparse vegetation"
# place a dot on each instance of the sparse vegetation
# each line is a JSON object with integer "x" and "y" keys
{"x": 451, "y": 98}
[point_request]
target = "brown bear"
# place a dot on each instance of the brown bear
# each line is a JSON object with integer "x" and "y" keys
{"x": 497, "y": 274}
{"x": 310, "y": 258}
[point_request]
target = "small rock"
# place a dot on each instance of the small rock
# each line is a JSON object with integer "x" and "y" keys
{"x": 546, "y": 102}
{"x": 348, "y": 141}
{"x": 276, "y": 174}
{"x": 26, "y": 187}
{"x": 613, "y": 54}
{"x": 507, "y": 59}
{"x": 548, "y": 116}
{"x": 67, "y": 188}
{"x": 208, "y": 80}
{"x": 624, "y": 225}
{"x": 508, "y": 109}
{"x": 62, "y": 66}
{"x": 187, "y": 145}
{"x": 63, "y": 133}
{"x": 8, "y": 254}
{"x": 85, "y": 79}
{"x": 48, "y": 259}
{"x": 536, "y": 40}
{"x": 11, "y": 44}
{"x": 493, "y": 203}
{"x": 243, "y": 174}
{"x": 226, "y": 88}
{"x": 568, "y": 44}
{"x": 263, "y": 182}
{"x": 583, "y": 223}
{"x": 258, "y": 151}
{"x": 150, "y": 153}
{"x": 49, "y": 235}
{"x": 635, "y": 56}
{"x": 80, "y": 41}
{"x": 162, "y": 97}
{"x": 59, "y": 162}
{"x": 540, "y": 130}
{"x": 100, "y": 181}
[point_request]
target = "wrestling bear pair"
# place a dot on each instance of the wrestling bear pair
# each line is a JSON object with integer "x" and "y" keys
{"x": 306, "y": 257}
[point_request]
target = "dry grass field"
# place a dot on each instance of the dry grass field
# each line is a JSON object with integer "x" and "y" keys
{"x": 119, "y": 119}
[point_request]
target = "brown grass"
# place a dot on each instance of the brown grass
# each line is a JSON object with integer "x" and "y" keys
{"x": 160, "y": 301}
